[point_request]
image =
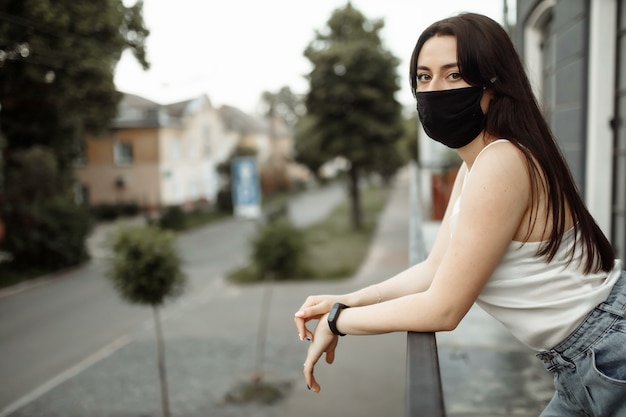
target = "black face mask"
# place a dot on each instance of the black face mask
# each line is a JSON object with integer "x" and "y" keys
{"x": 452, "y": 117}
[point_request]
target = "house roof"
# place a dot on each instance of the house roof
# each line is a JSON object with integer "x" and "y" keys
{"x": 137, "y": 112}
{"x": 238, "y": 121}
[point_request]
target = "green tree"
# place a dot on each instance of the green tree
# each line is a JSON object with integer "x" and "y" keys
{"x": 147, "y": 270}
{"x": 43, "y": 222}
{"x": 283, "y": 104}
{"x": 308, "y": 144}
{"x": 408, "y": 144}
{"x": 57, "y": 63}
{"x": 351, "y": 102}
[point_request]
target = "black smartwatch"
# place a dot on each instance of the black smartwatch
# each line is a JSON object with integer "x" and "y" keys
{"x": 333, "y": 316}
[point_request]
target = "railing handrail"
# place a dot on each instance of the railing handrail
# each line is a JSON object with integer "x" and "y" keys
{"x": 424, "y": 395}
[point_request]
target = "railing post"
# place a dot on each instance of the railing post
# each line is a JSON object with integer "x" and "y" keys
{"x": 424, "y": 396}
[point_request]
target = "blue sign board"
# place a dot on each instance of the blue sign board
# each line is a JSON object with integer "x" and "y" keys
{"x": 246, "y": 188}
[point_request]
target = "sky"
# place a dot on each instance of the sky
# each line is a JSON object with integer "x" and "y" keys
{"x": 234, "y": 50}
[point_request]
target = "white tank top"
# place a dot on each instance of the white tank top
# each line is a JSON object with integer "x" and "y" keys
{"x": 541, "y": 303}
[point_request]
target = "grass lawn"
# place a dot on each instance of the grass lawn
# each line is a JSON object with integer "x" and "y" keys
{"x": 334, "y": 249}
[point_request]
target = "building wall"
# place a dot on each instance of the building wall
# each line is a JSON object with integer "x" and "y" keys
{"x": 174, "y": 163}
{"x": 574, "y": 52}
{"x": 103, "y": 177}
{"x": 618, "y": 235}
{"x": 558, "y": 71}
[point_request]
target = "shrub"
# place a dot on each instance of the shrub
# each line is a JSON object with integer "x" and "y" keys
{"x": 225, "y": 200}
{"x": 173, "y": 218}
{"x": 279, "y": 249}
{"x": 111, "y": 211}
{"x": 44, "y": 226}
{"x": 49, "y": 234}
{"x": 105, "y": 211}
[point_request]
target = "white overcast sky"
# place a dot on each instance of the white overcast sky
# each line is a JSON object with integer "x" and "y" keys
{"x": 233, "y": 50}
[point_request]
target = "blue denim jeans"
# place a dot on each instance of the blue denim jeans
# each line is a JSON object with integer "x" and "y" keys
{"x": 589, "y": 367}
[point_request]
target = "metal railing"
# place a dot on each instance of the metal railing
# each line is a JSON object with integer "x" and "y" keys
{"x": 424, "y": 395}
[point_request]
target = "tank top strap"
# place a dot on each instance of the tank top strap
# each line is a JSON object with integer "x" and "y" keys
{"x": 469, "y": 171}
{"x": 488, "y": 145}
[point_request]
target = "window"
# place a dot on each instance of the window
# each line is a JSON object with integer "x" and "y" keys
{"x": 123, "y": 153}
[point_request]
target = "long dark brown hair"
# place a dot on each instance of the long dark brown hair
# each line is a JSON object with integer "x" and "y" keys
{"x": 486, "y": 57}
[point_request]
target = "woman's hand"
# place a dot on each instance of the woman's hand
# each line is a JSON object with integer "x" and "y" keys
{"x": 324, "y": 341}
{"x": 313, "y": 308}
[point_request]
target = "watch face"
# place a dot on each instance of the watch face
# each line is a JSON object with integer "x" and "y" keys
{"x": 332, "y": 318}
{"x": 333, "y": 312}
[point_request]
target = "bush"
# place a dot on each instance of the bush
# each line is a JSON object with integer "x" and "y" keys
{"x": 225, "y": 200}
{"x": 279, "y": 249}
{"x": 111, "y": 211}
{"x": 173, "y": 218}
{"x": 104, "y": 211}
{"x": 49, "y": 234}
{"x": 44, "y": 226}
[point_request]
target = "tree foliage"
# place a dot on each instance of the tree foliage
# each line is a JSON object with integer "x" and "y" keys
{"x": 283, "y": 104}
{"x": 409, "y": 141}
{"x": 57, "y": 62}
{"x": 57, "y": 79}
{"x": 43, "y": 223}
{"x": 351, "y": 107}
{"x": 146, "y": 268}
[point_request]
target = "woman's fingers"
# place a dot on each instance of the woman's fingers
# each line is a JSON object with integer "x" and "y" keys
{"x": 312, "y": 356}
{"x": 324, "y": 342}
{"x": 330, "y": 352}
{"x": 309, "y": 378}
{"x": 313, "y": 308}
{"x": 303, "y": 332}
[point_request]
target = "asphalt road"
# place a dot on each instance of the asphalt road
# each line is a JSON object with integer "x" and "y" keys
{"x": 58, "y": 325}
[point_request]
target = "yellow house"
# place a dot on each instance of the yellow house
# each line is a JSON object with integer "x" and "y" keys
{"x": 156, "y": 155}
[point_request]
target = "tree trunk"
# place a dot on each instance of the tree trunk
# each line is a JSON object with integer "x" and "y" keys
{"x": 262, "y": 329}
{"x": 355, "y": 197}
{"x": 165, "y": 406}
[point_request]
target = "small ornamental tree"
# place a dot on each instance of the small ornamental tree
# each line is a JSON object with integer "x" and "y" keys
{"x": 147, "y": 270}
{"x": 278, "y": 252}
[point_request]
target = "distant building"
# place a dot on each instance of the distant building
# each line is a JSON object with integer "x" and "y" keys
{"x": 272, "y": 143}
{"x": 575, "y": 53}
{"x": 156, "y": 155}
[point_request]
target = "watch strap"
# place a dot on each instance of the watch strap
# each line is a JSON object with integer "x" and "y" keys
{"x": 333, "y": 316}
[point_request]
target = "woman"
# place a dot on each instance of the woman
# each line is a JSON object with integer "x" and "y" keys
{"x": 516, "y": 237}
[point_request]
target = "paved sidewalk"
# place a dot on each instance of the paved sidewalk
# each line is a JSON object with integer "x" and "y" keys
{"x": 485, "y": 371}
{"x": 211, "y": 336}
